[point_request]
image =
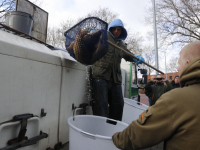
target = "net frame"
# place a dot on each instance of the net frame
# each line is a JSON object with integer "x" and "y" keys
{"x": 90, "y": 24}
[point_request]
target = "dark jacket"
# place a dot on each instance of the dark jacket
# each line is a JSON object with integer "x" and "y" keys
{"x": 175, "y": 118}
{"x": 109, "y": 65}
{"x": 147, "y": 93}
{"x": 157, "y": 90}
{"x": 175, "y": 85}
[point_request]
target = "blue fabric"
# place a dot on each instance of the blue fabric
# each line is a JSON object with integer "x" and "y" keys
{"x": 118, "y": 23}
{"x": 140, "y": 61}
{"x": 149, "y": 102}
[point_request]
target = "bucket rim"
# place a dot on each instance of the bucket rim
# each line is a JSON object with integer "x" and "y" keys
{"x": 136, "y": 106}
{"x": 94, "y": 135}
{"x": 23, "y": 13}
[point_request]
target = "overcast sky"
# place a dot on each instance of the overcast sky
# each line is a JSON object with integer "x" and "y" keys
{"x": 131, "y": 12}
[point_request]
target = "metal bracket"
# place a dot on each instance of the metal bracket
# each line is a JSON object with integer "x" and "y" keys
{"x": 43, "y": 114}
{"x": 81, "y": 106}
{"x": 21, "y": 136}
{"x": 27, "y": 142}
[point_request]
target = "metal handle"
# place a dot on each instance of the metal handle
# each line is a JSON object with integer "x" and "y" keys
{"x": 28, "y": 142}
{"x": 113, "y": 122}
{"x": 88, "y": 135}
{"x": 23, "y": 118}
{"x": 130, "y": 54}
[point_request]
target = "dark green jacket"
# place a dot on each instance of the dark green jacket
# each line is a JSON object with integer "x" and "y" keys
{"x": 109, "y": 65}
{"x": 157, "y": 90}
{"x": 175, "y": 118}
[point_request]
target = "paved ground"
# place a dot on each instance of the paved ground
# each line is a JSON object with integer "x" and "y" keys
{"x": 66, "y": 147}
{"x": 144, "y": 99}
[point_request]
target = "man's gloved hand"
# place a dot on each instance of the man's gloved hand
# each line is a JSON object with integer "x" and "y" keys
{"x": 140, "y": 61}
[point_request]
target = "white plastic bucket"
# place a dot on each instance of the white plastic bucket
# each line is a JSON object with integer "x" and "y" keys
{"x": 132, "y": 110}
{"x": 90, "y": 132}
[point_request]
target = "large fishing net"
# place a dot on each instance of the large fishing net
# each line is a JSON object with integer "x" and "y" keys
{"x": 87, "y": 40}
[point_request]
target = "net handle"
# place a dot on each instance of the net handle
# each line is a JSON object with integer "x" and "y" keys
{"x": 132, "y": 55}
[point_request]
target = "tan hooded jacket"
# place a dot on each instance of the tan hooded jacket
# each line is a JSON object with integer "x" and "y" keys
{"x": 175, "y": 118}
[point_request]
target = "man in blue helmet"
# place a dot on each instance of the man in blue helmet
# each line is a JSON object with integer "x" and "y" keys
{"x": 106, "y": 73}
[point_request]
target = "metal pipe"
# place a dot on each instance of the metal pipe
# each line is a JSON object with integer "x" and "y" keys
{"x": 129, "y": 53}
{"x": 155, "y": 36}
{"x": 77, "y": 110}
{"x": 165, "y": 66}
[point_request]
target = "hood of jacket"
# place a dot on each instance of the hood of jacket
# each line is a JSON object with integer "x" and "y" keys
{"x": 191, "y": 73}
{"x": 118, "y": 23}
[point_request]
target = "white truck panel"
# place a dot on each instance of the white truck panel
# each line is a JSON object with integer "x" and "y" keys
{"x": 17, "y": 46}
{"x": 73, "y": 91}
{"x": 30, "y": 80}
{"x": 126, "y": 66}
{"x": 28, "y": 86}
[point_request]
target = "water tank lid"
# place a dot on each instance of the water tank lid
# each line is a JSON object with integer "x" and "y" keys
{"x": 19, "y": 13}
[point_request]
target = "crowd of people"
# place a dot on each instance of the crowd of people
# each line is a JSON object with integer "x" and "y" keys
{"x": 175, "y": 82}
{"x": 156, "y": 87}
{"x": 159, "y": 85}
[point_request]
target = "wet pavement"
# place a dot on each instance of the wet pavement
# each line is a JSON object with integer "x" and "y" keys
{"x": 144, "y": 99}
{"x": 65, "y": 146}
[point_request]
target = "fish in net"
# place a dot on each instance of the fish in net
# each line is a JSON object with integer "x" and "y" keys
{"x": 87, "y": 40}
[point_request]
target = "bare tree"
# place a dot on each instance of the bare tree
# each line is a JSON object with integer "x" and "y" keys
{"x": 149, "y": 56}
{"x": 178, "y": 21}
{"x": 37, "y": 2}
{"x": 173, "y": 64}
{"x": 55, "y": 35}
{"x": 104, "y": 14}
{"x": 67, "y": 24}
{"x": 9, "y": 5}
{"x": 5, "y": 6}
{"x": 134, "y": 41}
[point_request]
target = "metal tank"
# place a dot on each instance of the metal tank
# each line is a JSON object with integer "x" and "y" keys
{"x": 20, "y": 21}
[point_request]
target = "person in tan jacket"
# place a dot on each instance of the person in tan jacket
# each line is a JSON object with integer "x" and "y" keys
{"x": 175, "y": 118}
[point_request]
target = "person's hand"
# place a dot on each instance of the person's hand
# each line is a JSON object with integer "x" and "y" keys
{"x": 164, "y": 79}
{"x": 153, "y": 78}
{"x": 140, "y": 61}
{"x": 114, "y": 133}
